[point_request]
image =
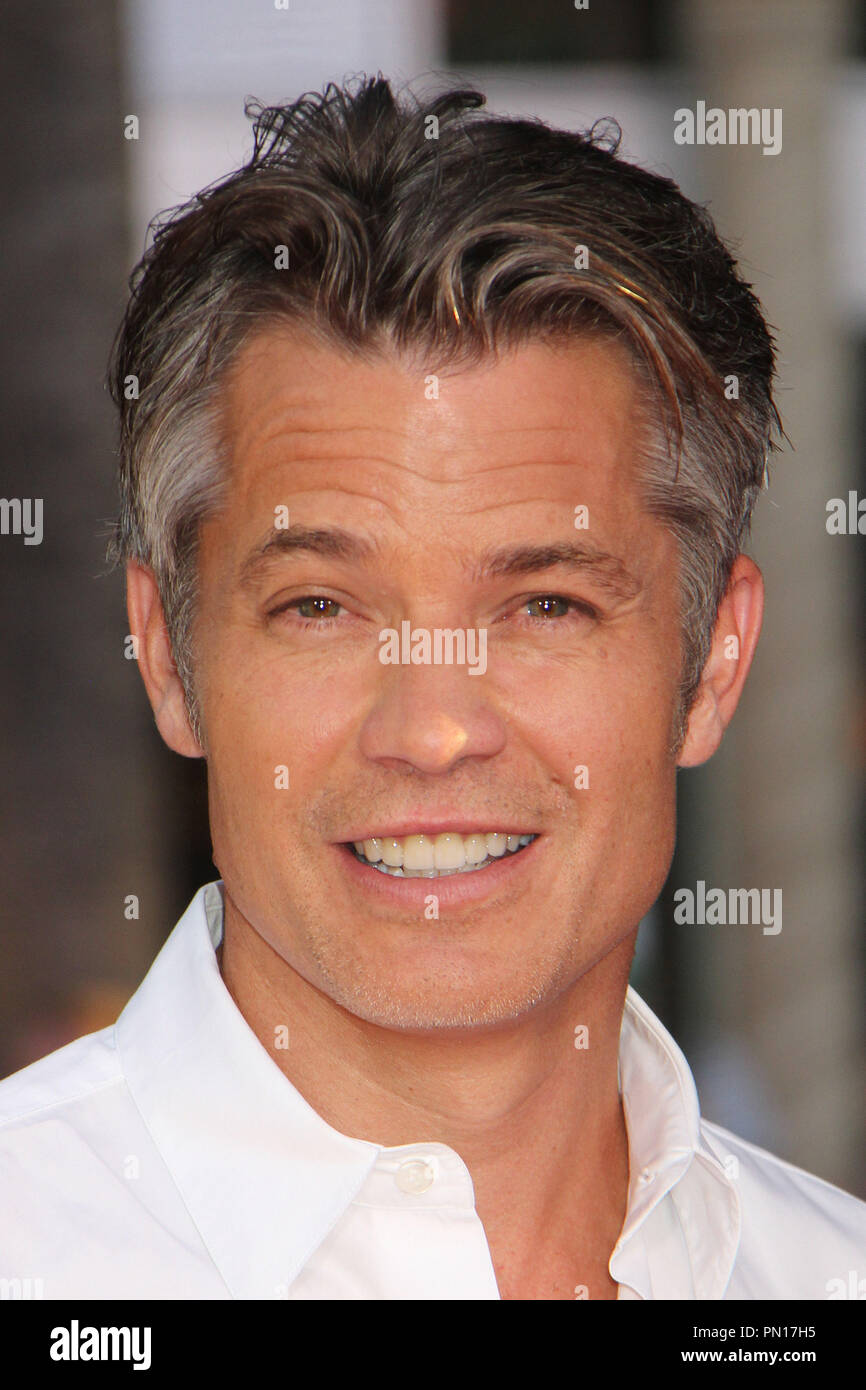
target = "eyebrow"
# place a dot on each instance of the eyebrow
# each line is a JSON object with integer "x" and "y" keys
{"x": 330, "y": 542}
{"x": 333, "y": 543}
{"x": 606, "y": 569}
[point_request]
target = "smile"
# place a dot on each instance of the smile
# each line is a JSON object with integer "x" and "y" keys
{"x": 437, "y": 856}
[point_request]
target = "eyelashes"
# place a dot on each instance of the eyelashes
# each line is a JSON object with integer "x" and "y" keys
{"x": 323, "y": 615}
{"x": 571, "y": 604}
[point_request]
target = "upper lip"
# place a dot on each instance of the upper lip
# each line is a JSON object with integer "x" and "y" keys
{"x": 438, "y": 825}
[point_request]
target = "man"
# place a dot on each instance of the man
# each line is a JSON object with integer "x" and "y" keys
{"x": 432, "y": 506}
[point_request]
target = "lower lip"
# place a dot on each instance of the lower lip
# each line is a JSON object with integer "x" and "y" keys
{"x": 451, "y": 890}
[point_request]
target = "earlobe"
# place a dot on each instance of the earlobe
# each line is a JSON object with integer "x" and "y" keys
{"x": 156, "y": 663}
{"x": 735, "y": 637}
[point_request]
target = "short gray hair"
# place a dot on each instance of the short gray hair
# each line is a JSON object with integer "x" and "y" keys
{"x": 427, "y": 226}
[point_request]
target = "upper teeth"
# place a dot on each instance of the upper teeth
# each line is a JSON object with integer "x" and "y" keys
{"x": 446, "y": 851}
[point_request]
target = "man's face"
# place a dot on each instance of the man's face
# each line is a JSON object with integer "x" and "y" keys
{"x": 447, "y": 514}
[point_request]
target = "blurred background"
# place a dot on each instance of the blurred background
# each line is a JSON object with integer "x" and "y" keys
{"x": 104, "y": 832}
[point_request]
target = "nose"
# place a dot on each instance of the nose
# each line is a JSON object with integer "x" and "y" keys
{"x": 431, "y": 718}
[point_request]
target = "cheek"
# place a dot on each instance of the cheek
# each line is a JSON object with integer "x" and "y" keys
{"x": 601, "y": 731}
{"x": 266, "y": 712}
{"x": 611, "y": 712}
{"x": 607, "y": 744}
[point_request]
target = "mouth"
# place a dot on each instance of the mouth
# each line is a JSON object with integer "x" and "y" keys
{"x": 437, "y": 856}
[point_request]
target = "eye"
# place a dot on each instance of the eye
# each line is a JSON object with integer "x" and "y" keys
{"x": 555, "y": 606}
{"x": 317, "y": 606}
{"x": 313, "y": 610}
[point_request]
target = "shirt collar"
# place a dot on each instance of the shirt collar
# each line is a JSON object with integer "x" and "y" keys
{"x": 232, "y": 1128}
{"x": 228, "y": 1124}
{"x": 682, "y": 1226}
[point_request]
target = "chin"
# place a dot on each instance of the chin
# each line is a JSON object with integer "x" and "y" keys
{"x": 443, "y": 1000}
{"x": 421, "y": 1015}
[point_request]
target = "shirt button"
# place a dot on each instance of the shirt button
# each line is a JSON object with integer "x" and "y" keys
{"x": 414, "y": 1176}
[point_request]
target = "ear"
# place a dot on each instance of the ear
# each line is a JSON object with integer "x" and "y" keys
{"x": 155, "y": 662}
{"x": 735, "y": 638}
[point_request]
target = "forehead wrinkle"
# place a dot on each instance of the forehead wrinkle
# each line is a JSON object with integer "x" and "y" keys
{"x": 280, "y": 429}
{"x": 247, "y": 434}
{"x": 284, "y": 427}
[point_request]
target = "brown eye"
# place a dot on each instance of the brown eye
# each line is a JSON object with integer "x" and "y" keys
{"x": 555, "y": 606}
{"x": 316, "y": 606}
{"x": 313, "y": 610}
{"x": 549, "y": 606}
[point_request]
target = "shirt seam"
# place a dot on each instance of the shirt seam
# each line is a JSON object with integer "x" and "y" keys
{"x": 424, "y": 1211}
{"x": 169, "y": 1170}
{"x": 764, "y": 1155}
{"x": 10, "y": 1120}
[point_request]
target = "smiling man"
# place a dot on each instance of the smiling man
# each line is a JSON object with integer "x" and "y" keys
{"x": 414, "y": 384}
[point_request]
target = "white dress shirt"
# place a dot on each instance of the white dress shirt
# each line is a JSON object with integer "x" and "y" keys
{"x": 169, "y": 1157}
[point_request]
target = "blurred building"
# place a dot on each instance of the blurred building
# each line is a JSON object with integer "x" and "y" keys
{"x": 97, "y": 812}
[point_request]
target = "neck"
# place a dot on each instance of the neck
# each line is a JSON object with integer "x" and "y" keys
{"x": 536, "y": 1118}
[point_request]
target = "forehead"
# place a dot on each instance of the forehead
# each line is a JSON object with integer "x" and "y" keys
{"x": 443, "y": 458}
{"x": 287, "y": 389}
